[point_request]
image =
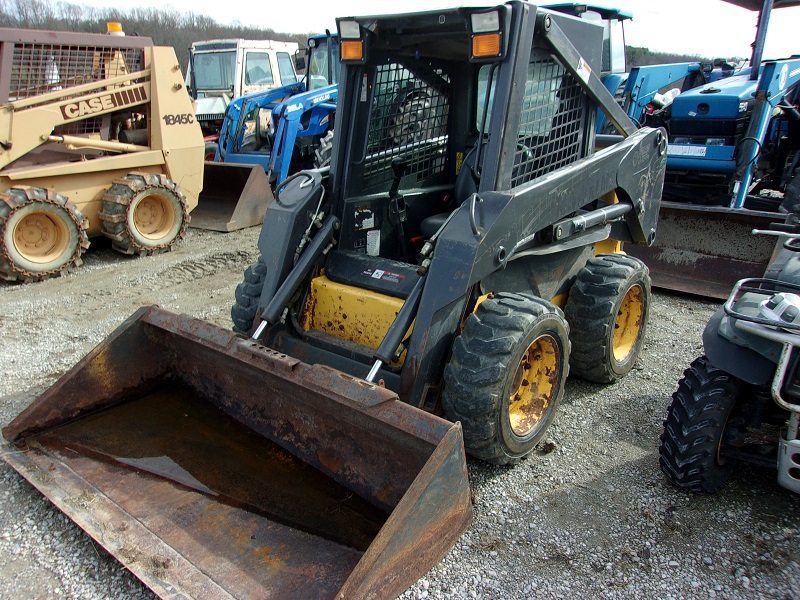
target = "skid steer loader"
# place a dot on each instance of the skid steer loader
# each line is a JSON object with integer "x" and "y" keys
{"x": 97, "y": 137}
{"x": 426, "y": 269}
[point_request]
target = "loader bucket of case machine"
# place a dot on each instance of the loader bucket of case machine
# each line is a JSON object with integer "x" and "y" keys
{"x": 705, "y": 250}
{"x": 233, "y": 197}
{"x": 213, "y": 467}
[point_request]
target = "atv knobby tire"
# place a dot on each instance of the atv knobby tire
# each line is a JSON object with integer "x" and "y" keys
{"x": 697, "y": 422}
{"x": 248, "y": 294}
{"x": 144, "y": 213}
{"x": 42, "y": 234}
{"x": 506, "y": 375}
{"x": 607, "y": 312}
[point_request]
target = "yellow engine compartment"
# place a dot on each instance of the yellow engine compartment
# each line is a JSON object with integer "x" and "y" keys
{"x": 350, "y": 313}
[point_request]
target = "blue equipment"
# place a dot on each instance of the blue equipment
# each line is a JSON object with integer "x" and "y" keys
{"x": 290, "y": 128}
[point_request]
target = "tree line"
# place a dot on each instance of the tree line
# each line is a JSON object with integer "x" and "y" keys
{"x": 168, "y": 27}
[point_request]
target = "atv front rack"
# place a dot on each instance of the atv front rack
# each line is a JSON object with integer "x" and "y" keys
{"x": 787, "y": 334}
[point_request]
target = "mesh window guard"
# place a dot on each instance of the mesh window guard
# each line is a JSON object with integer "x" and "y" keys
{"x": 37, "y": 69}
{"x": 40, "y": 68}
{"x": 551, "y": 122}
{"x": 409, "y": 119}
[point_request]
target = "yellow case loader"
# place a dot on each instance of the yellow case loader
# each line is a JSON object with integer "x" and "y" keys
{"x": 98, "y": 136}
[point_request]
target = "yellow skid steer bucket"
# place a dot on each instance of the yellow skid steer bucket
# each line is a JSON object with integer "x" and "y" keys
{"x": 233, "y": 197}
{"x": 213, "y": 467}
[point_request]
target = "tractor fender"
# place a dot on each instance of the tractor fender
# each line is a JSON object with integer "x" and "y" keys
{"x": 746, "y": 364}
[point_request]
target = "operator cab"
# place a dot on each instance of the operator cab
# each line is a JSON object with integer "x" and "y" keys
{"x": 423, "y": 138}
{"x": 427, "y": 119}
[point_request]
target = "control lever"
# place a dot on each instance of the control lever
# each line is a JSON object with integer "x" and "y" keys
{"x": 399, "y": 166}
{"x": 397, "y": 203}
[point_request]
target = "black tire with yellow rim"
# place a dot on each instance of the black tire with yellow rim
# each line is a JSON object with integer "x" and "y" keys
{"x": 607, "y": 311}
{"x": 42, "y": 234}
{"x": 506, "y": 376}
{"x": 144, "y": 213}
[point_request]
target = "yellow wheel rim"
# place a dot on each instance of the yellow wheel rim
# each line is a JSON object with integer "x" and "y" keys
{"x": 535, "y": 385}
{"x": 40, "y": 237}
{"x": 628, "y": 325}
{"x": 153, "y": 217}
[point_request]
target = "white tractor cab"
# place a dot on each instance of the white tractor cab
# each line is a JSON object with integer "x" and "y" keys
{"x": 613, "y": 57}
{"x": 221, "y": 70}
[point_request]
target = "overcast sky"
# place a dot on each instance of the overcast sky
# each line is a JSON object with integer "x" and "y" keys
{"x": 711, "y": 28}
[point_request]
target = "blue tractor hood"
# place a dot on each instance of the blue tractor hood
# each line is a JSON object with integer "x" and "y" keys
{"x": 722, "y": 99}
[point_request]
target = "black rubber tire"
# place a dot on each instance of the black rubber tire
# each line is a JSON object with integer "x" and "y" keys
{"x": 248, "y": 294}
{"x": 697, "y": 420}
{"x": 412, "y": 120}
{"x": 607, "y": 312}
{"x": 487, "y": 370}
{"x": 324, "y": 152}
{"x": 210, "y": 150}
{"x": 144, "y": 213}
{"x": 42, "y": 234}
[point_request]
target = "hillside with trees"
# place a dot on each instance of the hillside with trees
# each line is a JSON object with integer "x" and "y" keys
{"x": 168, "y": 27}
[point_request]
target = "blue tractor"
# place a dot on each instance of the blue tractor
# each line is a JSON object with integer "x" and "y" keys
{"x": 287, "y": 129}
{"x": 267, "y": 135}
{"x": 734, "y": 146}
{"x": 644, "y": 87}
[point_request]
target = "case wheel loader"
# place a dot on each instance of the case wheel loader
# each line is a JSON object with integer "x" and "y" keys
{"x": 97, "y": 138}
{"x": 422, "y": 295}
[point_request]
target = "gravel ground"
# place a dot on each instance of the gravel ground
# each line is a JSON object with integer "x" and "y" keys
{"x": 587, "y": 515}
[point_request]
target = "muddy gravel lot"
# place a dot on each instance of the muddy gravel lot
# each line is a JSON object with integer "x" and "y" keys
{"x": 587, "y": 515}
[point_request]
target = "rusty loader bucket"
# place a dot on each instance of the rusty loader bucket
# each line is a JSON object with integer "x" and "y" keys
{"x": 233, "y": 197}
{"x": 213, "y": 467}
{"x": 705, "y": 250}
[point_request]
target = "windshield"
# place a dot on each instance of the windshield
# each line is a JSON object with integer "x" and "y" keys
{"x": 214, "y": 70}
{"x": 318, "y": 65}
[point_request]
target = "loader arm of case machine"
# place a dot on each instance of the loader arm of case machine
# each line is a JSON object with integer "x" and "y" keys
{"x": 213, "y": 467}
{"x": 25, "y": 124}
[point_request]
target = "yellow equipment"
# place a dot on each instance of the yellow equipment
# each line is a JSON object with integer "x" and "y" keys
{"x": 97, "y": 137}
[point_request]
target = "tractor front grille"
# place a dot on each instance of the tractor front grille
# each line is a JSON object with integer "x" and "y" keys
{"x": 551, "y": 129}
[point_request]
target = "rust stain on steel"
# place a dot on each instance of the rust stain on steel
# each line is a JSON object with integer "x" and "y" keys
{"x": 705, "y": 250}
{"x": 172, "y": 533}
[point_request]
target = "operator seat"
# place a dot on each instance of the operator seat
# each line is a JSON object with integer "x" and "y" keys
{"x": 464, "y": 188}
